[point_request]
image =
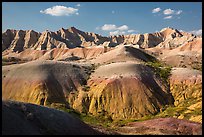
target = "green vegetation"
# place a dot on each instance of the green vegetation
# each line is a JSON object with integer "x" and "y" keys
{"x": 164, "y": 71}
{"x": 181, "y": 109}
{"x": 106, "y": 121}
{"x": 100, "y": 120}
{"x": 97, "y": 120}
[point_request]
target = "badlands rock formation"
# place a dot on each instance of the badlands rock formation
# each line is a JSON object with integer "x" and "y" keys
{"x": 186, "y": 88}
{"x": 42, "y": 82}
{"x": 165, "y": 44}
{"x": 126, "y": 90}
{"x": 19, "y": 40}
{"x": 185, "y": 83}
{"x": 72, "y": 37}
{"x": 123, "y": 53}
{"x": 105, "y": 76}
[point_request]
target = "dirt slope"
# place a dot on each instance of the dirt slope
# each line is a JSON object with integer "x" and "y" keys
{"x": 162, "y": 126}
{"x": 28, "y": 119}
{"x": 41, "y": 82}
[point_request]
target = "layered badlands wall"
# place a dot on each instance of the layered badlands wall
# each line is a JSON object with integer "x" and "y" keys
{"x": 19, "y": 40}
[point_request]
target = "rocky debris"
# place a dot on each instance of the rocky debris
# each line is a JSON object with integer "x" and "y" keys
{"x": 28, "y": 119}
{"x": 162, "y": 126}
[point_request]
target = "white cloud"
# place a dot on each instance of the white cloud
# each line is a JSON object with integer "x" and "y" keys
{"x": 60, "y": 11}
{"x": 168, "y": 17}
{"x": 130, "y": 31}
{"x": 179, "y": 12}
{"x": 78, "y": 5}
{"x": 156, "y": 10}
{"x": 113, "y": 11}
{"x": 196, "y": 32}
{"x": 168, "y": 11}
{"x": 108, "y": 27}
{"x": 123, "y": 27}
{"x": 117, "y": 32}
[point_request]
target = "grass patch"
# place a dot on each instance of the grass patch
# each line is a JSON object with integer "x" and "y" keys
{"x": 161, "y": 69}
{"x": 171, "y": 111}
{"x": 100, "y": 120}
{"x": 97, "y": 120}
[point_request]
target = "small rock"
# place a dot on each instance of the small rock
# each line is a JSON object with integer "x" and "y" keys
{"x": 30, "y": 116}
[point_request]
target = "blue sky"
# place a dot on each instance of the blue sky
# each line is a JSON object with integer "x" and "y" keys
{"x": 104, "y": 18}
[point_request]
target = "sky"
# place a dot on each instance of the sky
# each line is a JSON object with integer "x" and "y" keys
{"x": 105, "y": 18}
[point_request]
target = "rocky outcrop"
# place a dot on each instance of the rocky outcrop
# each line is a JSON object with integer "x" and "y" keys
{"x": 28, "y": 119}
{"x": 20, "y": 40}
{"x": 7, "y": 38}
